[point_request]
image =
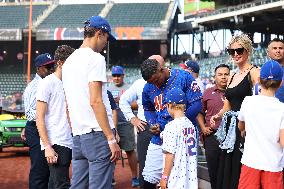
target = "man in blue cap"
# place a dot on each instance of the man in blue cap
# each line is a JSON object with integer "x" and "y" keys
{"x": 193, "y": 68}
{"x": 275, "y": 51}
{"x": 95, "y": 148}
{"x": 39, "y": 172}
{"x": 124, "y": 128}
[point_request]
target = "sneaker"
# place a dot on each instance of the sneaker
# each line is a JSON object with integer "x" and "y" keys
{"x": 113, "y": 182}
{"x": 135, "y": 182}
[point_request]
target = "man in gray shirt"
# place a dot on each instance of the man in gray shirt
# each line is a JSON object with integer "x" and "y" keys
{"x": 124, "y": 128}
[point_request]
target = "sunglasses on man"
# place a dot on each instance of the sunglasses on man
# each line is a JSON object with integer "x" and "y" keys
{"x": 49, "y": 66}
{"x": 116, "y": 75}
{"x": 239, "y": 51}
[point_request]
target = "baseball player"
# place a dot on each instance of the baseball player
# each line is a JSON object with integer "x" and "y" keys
{"x": 159, "y": 81}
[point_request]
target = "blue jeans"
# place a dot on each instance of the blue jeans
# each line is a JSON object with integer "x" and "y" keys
{"x": 91, "y": 165}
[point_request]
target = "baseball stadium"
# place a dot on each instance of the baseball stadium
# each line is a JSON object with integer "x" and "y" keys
{"x": 180, "y": 31}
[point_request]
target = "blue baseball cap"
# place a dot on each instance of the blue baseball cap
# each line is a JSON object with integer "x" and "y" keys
{"x": 271, "y": 70}
{"x": 44, "y": 59}
{"x": 100, "y": 23}
{"x": 175, "y": 95}
{"x": 190, "y": 65}
{"x": 117, "y": 70}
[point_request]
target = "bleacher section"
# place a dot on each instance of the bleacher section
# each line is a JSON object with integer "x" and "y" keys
{"x": 71, "y": 16}
{"x": 132, "y": 74}
{"x": 18, "y": 16}
{"x": 12, "y": 83}
{"x": 137, "y": 14}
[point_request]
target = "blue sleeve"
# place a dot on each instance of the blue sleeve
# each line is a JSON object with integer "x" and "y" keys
{"x": 111, "y": 101}
{"x": 193, "y": 95}
{"x": 149, "y": 109}
{"x": 192, "y": 111}
{"x": 280, "y": 93}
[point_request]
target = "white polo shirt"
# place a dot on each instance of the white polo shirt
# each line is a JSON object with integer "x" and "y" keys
{"x": 80, "y": 68}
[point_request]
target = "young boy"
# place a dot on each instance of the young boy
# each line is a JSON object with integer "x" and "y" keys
{"x": 179, "y": 145}
{"x": 262, "y": 117}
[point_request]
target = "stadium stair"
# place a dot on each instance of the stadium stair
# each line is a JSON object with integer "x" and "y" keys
{"x": 44, "y": 15}
{"x": 106, "y": 9}
{"x": 165, "y": 22}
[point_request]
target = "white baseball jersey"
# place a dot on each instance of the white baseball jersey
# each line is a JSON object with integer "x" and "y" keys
{"x": 179, "y": 138}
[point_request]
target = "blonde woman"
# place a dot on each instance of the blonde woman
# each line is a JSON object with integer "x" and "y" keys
{"x": 239, "y": 86}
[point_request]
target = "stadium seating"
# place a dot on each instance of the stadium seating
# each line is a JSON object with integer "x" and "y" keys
{"x": 12, "y": 83}
{"x": 137, "y": 14}
{"x": 71, "y": 16}
{"x": 17, "y": 16}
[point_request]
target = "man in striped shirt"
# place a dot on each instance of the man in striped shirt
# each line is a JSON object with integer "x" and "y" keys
{"x": 39, "y": 172}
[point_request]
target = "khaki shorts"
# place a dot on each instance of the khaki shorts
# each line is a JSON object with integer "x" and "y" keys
{"x": 127, "y": 137}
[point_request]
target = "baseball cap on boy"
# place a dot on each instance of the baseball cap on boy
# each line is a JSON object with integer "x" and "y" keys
{"x": 44, "y": 59}
{"x": 100, "y": 23}
{"x": 271, "y": 70}
{"x": 117, "y": 70}
{"x": 175, "y": 95}
{"x": 190, "y": 65}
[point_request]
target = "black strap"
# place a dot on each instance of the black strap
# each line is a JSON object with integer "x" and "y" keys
{"x": 231, "y": 80}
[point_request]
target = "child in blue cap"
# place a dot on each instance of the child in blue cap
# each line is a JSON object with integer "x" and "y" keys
{"x": 179, "y": 145}
{"x": 262, "y": 119}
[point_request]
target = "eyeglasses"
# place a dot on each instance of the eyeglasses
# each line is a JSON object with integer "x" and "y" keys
{"x": 116, "y": 75}
{"x": 49, "y": 66}
{"x": 239, "y": 51}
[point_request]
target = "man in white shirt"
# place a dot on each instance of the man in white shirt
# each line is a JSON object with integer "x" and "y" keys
{"x": 52, "y": 122}
{"x": 134, "y": 93}
{"x": 39, "y": 172}
{"x": 84, "y": 81}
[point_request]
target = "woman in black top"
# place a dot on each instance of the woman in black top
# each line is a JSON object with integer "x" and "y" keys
{"x": 239, "y": 86}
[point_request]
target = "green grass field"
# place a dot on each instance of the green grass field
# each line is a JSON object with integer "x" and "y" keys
{"x": 192, "y": 7}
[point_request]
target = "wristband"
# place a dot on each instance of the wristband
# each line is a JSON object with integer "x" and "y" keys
{"x": 113, "y": 141}
{"x": 164, "y": 177}
{"x": 47, "y": 146}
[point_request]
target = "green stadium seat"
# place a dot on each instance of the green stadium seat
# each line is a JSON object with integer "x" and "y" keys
{"x": 71, "y": 16}
{"x": 17, "y": 16}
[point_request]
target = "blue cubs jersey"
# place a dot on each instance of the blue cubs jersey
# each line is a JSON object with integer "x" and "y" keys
{"x": 154, "y": 103}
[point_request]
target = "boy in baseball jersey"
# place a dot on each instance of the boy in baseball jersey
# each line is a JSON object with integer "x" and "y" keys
{"x": 262, "y": 117}
{"x": 179, "y": 146}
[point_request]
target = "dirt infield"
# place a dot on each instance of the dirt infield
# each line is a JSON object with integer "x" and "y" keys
{"x": 15, "y": 165}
